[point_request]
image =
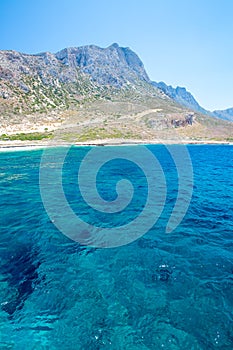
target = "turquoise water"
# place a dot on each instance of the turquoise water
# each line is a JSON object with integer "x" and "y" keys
{"x": 162, "y": 291}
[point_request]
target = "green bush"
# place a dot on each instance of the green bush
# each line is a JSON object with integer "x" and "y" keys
{"x": 26, "y": 136}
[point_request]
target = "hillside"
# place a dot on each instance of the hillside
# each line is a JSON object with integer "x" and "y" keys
{"x": 185, "y": 98}
{"x": 91, "y": 92}
{"x": 181, "y": 96}
{"x": 226, "y": 114}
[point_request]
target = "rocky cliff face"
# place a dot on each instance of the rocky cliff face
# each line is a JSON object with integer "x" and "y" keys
{"x": 113, "y": 66}
{"x": 45, "y": 81}
{"x": 38, "y": 82}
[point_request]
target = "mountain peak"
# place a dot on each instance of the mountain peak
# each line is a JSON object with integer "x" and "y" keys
{"x": 79, "y": 76}
{"x": 113, "y": 65}
{"x": 115, "y": 45}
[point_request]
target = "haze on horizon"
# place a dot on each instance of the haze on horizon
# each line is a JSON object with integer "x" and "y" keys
{"x": 184, "y": 43}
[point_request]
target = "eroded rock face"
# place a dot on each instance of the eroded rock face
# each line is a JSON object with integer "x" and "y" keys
{"x": 43, "y": 81}
{"x": 111, "y": 66}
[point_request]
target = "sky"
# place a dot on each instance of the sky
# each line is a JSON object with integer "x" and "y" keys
{"x": 187, "y": 43}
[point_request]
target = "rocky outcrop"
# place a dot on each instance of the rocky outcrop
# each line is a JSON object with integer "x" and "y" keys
{"x": 187, "y": 120}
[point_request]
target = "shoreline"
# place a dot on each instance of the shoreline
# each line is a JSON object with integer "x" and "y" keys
{"x": 28, "y": 145}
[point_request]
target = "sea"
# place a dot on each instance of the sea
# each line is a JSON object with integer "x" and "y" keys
{"x": 147, "y": 286}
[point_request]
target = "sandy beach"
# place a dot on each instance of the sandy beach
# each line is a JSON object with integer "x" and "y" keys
{"x": 34, "y": 145}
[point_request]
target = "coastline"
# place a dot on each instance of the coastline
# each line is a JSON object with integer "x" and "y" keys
{"x": 8, "y": 146}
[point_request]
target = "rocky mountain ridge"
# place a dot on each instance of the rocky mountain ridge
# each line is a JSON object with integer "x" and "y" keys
{"x": 44, "y": 81}
{"x": 185, "y": 98}
{"x": 181, "y": 96}
{"x": 226, "y": 114}
{"x": 113, "y": 66}
{"x": 41, "y": 91}
{"x": 56, "y": 80}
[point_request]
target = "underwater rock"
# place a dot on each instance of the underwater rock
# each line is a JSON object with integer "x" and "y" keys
{"x": 164, "y": 273}
{"x": 20, "y": 269}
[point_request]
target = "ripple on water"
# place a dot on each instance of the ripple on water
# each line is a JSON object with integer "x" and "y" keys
{"x": 161, "y": 292}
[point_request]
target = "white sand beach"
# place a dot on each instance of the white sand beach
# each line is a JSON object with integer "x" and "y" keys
{"x": 6, "y": 146}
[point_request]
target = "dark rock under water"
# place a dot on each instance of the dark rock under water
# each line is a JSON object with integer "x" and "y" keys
{"x": 20, "y": 268}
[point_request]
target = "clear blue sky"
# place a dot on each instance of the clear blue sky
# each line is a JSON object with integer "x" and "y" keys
{"x": 181, "y": 42}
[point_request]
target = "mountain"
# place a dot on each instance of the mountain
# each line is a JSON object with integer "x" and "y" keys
{"x": 181, "y": 96}
{"x": 44, "y": 81}
{"x": 113, "y": 66}
{"x": 226, "y": 114}
{"x": 185, "y": 98}
{"x": 90, "y": 92}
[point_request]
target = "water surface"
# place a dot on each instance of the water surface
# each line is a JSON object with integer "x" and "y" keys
{"x": 168, "y": 291}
